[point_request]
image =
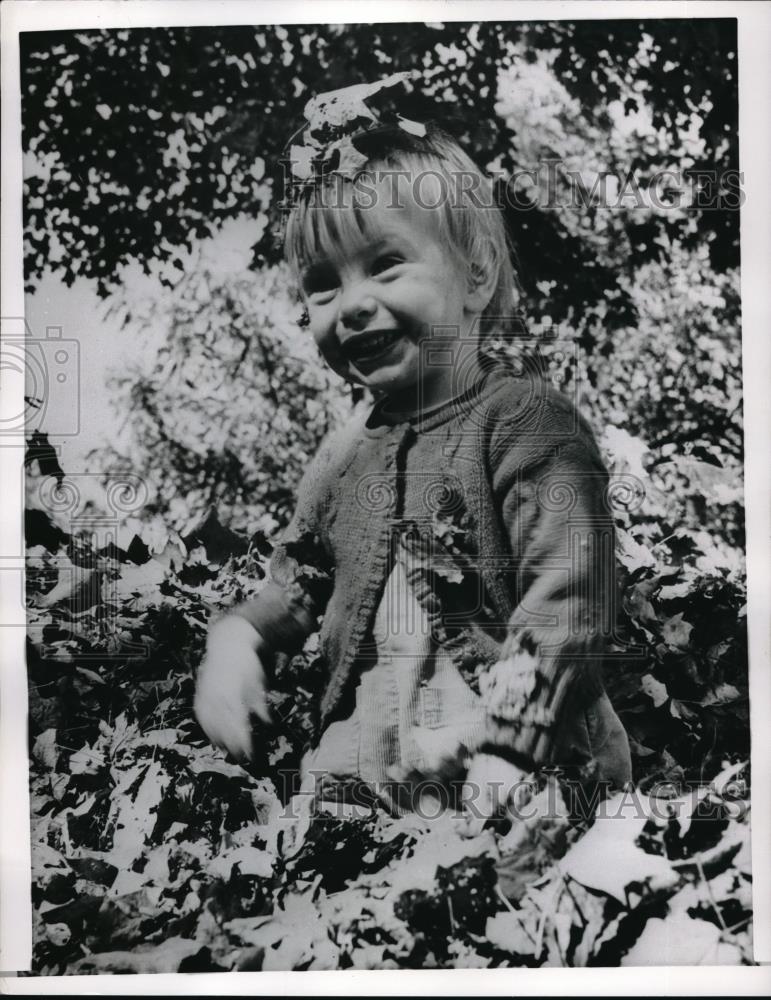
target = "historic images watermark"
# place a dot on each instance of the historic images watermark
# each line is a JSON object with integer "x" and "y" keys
{"x": 584, "y": 801}
{"x": 83, "y": 572}
{"x": 50, "y": 368}
{"x": 549, "y": 185}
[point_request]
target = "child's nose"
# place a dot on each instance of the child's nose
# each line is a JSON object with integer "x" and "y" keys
{"x": 357, "y": 307}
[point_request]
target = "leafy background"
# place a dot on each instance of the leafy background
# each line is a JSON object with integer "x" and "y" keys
{"x": 152, "y": 852}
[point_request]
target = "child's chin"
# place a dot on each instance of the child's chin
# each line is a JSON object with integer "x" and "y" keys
{"x": 391, "y": 367}
{"x": 387, "y": 380}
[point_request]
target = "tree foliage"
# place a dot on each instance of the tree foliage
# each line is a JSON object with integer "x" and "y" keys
{"x": 137, "y": 141}
{"x": 579, "y": 120}
{"x": 231, "y": 403}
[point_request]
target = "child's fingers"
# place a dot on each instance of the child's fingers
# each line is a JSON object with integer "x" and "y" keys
{"x": 491, "y": 783}
{"x": 470, "y": 826}
{"x": 238, "y": 747}
{"x": 443, "y": 753}
{"x": 225, "y": 720}
{"x": 258, "y": 704}
{"x": 206, "y": 715}
{"x": 237, "y": 725}
{"x": 478, "y": 800}
{"x": 224, "y": 731}
{"x": 400, "y": 774}
{"x": 238, "y": 741}
{"x": 230, "y": 695}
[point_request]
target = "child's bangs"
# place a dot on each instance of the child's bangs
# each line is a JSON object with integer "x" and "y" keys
{"x": 431, "y": 179}
{"x": 332, "y": 216}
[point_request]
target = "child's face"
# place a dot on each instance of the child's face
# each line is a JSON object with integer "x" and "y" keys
{"x": 374, "y": 299}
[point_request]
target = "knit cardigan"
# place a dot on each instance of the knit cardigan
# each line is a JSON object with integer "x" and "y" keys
{"x": 505, "y": 488}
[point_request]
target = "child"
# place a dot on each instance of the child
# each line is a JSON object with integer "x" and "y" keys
{"x": 463, "y": 520}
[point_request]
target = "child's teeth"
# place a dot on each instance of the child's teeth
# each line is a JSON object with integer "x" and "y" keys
{"x": 375, "y": 345}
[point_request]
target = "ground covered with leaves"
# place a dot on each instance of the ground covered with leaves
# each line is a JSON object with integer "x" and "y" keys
{"x": 154, "y": 853}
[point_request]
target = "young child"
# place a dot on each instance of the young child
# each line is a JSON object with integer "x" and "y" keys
{"x": 463, "y": 520}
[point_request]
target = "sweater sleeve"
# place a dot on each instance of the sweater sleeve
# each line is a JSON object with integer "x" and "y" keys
{"x": 552, "y": 493}
{"x": 286, "y": 610}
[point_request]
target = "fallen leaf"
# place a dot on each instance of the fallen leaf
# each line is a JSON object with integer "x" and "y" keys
{"x": 46, "y": 862}
{"x": 338, "y": 108}
{"x": 127, "y": 883}
{"x": 414, "y": 128}
{"x": 607, "y": 858}
{"x": 206, "y": 763}
{"x": 281, "y": 749}
{"x": 161, "y": 737}
{"x": 440, "y": 846}
{"x": 295, "y": 823}
{"x": 45, "y": 751}
{"x": 655, "y": 690}
{"x": 134, "y": 815}
{"x": 301, "y": 161}
{"x": 637, "y": 602}
{"x": 142, "y": 580}
{"x": 681, "y": 940}
{"x": 507, "y": 931}
{"x": 86, "y": 761}
{"x": 674, "y": 591}
{"x": 684, "y": 808}
{"x": 369, "y": 956}
{"x": 350, "y": 161}
{"x": 682, "y": 710}
{"x": 58, "y": 934}
{"x": 723, "y": 694}
{"x": 73, "y": 582}
{"x": 94, "y": 869}
{"x": 165, "y": 957}
{"x": 676, "y": 632}
{"x": 59, "y": 785}
{"x": 297, "y": 934}
{"x": 726, "y": 776}
{"x": 449, "y": 573}
{"x": 632, "y": 554}
{"x": 250, "y": 861}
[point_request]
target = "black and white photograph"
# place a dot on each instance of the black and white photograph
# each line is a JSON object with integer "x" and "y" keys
{"x": 382, "y": 450}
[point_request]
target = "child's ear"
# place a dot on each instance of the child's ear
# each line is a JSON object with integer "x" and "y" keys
{"x": 482, "y": 278}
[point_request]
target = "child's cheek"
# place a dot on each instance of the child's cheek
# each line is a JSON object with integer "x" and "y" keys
{"x": 329, "y": 347}
{"x": 322, "y": 327}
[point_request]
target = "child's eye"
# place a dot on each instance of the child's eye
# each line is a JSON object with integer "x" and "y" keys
{"x": 386, "y": 262}
{"x": 319, "y": 280}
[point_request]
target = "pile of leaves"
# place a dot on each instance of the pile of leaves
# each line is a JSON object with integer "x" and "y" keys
{"x": 152, "y": 852}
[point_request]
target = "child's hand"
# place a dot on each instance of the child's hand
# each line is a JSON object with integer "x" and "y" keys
{"x": 231, "y": 686}
{"x": 492, "y": 783}
{"x": 444, "y": 756}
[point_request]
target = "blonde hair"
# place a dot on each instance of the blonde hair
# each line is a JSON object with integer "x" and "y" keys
{"x": 467, "y": 219}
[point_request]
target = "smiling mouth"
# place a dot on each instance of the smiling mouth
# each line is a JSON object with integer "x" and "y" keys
{"x": 368, "y": 347}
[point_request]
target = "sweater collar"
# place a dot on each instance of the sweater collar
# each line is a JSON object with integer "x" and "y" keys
{"x": 380, "y": 421}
